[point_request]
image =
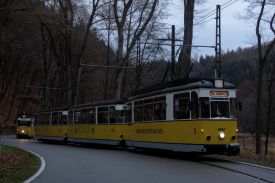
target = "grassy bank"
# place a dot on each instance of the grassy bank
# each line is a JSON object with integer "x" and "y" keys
{"x": 247, "y": 154}
{"x": 248, "y": 149}
{"x": 16, "y": 165}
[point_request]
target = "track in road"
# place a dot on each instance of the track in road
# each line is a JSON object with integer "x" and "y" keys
{"x": 67, "y": 163}
{"x": 233, "y": 166}
{"x": 261, "y": 173}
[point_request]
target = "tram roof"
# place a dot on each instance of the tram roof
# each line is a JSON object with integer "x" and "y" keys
{"x": 178, "y": 85}
{"x": 100, "y": 103}
{"x": 91, "y": 104}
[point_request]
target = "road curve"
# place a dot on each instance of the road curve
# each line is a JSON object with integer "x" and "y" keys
{"x": 67, "y": 163}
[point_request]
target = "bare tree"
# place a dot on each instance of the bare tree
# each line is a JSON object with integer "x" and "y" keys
{"x": 268, "y": 99}
{"x": 264, "y": 50}
{"x": 18, "y": 59}
{"x": 5, "y": 44}
{"x": 135, "y": 17}
{"x": 64, "y": 46}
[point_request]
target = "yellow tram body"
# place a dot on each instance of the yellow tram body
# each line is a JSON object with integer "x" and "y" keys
{"x": 187, "y": 132}
{"x": 162, "y": 135}
{"x": 177, "y": 120}
{"x": 186, "y": 136}
{"x": 101, "y": 134}
{"x": 52, "y": 132}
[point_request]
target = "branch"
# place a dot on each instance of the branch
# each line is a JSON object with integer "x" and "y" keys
{"x": 268, "y": 50}
{"x": 258, "y": 32}
{"x": 272, "y": 43}
{"x": 271, "y": 24}
{"x": 90, "y": 23}
{"x": 139, "y": 32}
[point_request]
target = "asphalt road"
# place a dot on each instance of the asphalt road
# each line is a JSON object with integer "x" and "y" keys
{"x": 78, "y": 164}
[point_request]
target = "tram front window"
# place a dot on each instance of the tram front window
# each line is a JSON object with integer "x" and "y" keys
{"x": 23, "y": 123}
{"x": 220, "y": 109}
{"x": 204, "y": 104}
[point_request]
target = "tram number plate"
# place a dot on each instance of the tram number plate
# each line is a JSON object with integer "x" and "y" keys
{"x": 221, "y": 129}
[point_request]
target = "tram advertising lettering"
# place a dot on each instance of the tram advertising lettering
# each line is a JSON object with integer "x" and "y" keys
{"x": 149, "y": 131}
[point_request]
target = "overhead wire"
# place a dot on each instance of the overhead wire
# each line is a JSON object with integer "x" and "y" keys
{"x": 209, "y": 14}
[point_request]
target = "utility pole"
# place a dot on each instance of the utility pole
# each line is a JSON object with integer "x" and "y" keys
{"x": 218, "y": 43}
{"x": 173, "y": 56}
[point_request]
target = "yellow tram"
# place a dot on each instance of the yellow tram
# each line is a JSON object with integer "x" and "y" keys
{"x": 25, "y": 127}
{"x": 184, "y": 116}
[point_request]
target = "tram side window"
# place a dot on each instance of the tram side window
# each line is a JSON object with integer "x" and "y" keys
{"x": 117, "y": 116}
{"x": 63, "y": 118}
{"x": 129, "y": 113}
{"x": 84, "y": 116}
{"x": 102, "y": 115}
{"x": 55, "y": 118}
{"x": 181, "y": 106}
{"x": 148, "y": 110}
{"x": 138, "y": 109}
{"x": 160, "y": 108}
{"x": 45, "y": 118}
{"x": 91, "y": 115}
{"x": 194, "y": 105}
{"x": 113, "y": 115}
{"x": 38, "y": 119}
{"x": 205, "y": 108}
{"x": 233, "y": 106}
{"x": 70, "y": 117}
{"x": 77, "y": 116}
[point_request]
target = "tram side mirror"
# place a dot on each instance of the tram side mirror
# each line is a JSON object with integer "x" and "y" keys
{"x": 240, "y": 106}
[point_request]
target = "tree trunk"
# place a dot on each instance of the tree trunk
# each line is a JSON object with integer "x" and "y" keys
{"x": 266, "y": 142}
{"x": 261, "y": 64}
{"x": 269, "y": 113}
{"x": 184, "y": 61}
{"x": 259, "y": 109}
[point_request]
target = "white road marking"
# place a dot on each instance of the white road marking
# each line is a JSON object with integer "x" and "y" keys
{"x": 41, "y": 169}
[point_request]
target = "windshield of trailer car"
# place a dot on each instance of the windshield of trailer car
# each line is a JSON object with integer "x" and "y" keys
{"x": 24, "y": 123}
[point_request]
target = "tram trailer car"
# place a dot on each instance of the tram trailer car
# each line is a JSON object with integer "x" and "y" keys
{"x": 25, "y": 127}
{"x": 183, "y": 116}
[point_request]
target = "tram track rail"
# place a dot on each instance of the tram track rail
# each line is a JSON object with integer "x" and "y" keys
{"x": 242, "y": 168}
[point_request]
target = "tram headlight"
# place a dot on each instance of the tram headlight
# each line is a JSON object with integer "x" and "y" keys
{"x": 221, "y": 135}
{"x": 23, "y": 131}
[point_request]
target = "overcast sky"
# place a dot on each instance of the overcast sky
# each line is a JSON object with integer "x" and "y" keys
{"x": 235, "y": 31}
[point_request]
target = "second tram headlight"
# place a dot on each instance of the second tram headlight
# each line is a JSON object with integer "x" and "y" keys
{"x": 221, "y": 135}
